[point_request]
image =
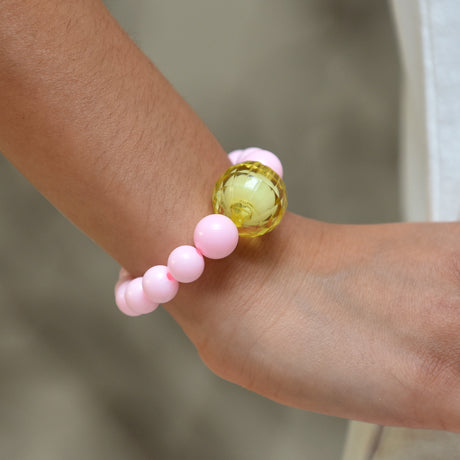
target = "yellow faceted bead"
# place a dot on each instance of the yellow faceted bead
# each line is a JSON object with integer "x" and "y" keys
{"x": 252, "y": 195}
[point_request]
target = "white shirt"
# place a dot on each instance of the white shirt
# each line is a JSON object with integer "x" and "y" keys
{"x": 429, "y": 36}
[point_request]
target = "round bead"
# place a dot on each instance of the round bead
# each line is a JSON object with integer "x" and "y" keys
{"x": 234, "y": 156}
{"x": 185, "y": 264}
{"x": 262, "y": 156}
{"x": 159, "y": 285}
{"x": 124, "y": 275}
{"x": 120, "y": 300}
{"x": 252, "y": 195}
{"x": 216, "y": 236}
{"x": 135, "y": 297}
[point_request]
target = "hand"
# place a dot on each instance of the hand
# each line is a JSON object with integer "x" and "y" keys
{"x": 361, "y": 322}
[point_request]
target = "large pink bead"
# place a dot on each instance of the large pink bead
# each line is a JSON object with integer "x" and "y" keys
{"x": 185, "y": 264}
{"x": 262, "y": 156}
{"x": 135, "y": 297}
{"x": 124, "y": 275}
{"x": 234, "y": 156}
{"x": 159, "y": 285}
{"x": 216, "y": 236}
{"x": 120, "y": 300}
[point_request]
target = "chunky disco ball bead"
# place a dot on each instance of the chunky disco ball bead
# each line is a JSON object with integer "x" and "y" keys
{"x": 252, "y": 195}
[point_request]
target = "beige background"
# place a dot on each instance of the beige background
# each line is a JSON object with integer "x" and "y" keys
{"x": 316, "y": 82}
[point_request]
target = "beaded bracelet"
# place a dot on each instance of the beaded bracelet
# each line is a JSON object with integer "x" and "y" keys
{"x": 249, "y": 199}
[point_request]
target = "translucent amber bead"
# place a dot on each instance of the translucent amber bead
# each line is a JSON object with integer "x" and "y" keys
{"x": 252, "y": 195}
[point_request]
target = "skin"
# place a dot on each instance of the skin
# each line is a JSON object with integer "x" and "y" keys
{"x": 355, "y": 321}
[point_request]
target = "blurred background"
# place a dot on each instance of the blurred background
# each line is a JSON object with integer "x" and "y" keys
{"x": 316, "y": 82}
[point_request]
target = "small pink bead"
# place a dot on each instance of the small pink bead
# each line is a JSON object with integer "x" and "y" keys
{"x": 234, "y": 156}
{"x": 185, "y": 264}
{"x": 120, "y": 300}
{"x": 135, "y": 297}
{"x": 124, "y": 275}
{"x": 216, "y": 236}
{"x": 262, "y": 156}
{"x": 159, "y": 285}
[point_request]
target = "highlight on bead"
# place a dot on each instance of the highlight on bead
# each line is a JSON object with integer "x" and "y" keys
{"x": 186, "y": 264}
{"x": 249, "y": 199}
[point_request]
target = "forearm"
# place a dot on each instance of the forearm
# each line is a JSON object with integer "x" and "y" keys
{"x": 96, "y": 128}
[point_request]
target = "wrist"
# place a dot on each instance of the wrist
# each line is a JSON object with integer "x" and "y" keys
{"x": 230, "y": 288}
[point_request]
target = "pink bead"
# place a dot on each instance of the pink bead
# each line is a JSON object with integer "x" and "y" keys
{"x": 120, "y": 300}
{"x": 262, "y": 156}
{"x": 216, "y": 236}
{"x": 124, "y": 275}
{"x": 234, "y": 156}
{"x": 159, "y": 285}
{"x": 185, "y": 264}
{"x": 136, "y": 300}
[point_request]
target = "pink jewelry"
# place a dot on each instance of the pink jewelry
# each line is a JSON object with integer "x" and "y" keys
{"x": 249, "y": 199}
